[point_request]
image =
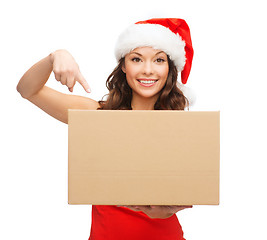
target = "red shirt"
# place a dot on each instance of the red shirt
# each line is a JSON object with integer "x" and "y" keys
{"x": 110, "y": 222}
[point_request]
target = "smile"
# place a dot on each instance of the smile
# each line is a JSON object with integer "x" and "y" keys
{"x": 147, "y": 82}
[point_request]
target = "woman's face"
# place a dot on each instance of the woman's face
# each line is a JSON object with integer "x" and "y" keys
{"x": 146, "y": 71}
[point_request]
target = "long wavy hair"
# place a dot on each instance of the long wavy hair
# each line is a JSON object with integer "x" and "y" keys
{"x": 120, "y": 93}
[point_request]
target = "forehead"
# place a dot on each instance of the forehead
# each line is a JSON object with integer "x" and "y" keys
{"x": 147, "y": 50}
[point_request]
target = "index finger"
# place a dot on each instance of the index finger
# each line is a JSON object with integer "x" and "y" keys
{"x": 84, "y": 83}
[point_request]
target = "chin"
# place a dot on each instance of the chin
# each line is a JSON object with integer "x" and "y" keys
{"x": 148, "y": 95}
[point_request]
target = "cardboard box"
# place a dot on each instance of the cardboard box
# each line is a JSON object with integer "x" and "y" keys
{"x": 157, "y": 157}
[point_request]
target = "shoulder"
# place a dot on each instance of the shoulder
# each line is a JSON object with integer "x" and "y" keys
{"x": 81, "y": 102}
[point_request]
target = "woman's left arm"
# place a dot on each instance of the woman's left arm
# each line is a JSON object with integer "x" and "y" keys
{"x": 158, "y": 211}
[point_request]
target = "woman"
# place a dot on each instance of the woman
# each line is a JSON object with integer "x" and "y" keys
{"x": 150, "y": 54}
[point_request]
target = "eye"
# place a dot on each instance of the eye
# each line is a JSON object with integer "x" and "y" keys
{"x": 159, "y": 60}
{"x": 136, "y": 59}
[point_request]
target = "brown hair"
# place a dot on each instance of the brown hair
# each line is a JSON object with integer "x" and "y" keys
{"x": 120, "y": 93}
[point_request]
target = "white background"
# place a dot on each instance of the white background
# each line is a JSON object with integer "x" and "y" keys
{"x": 228, "y": 74}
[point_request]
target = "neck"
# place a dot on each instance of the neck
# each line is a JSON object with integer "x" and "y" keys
{"x": 140, "y": 103}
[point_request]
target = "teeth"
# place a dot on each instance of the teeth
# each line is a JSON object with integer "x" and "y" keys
{"x": 146, "y": 81}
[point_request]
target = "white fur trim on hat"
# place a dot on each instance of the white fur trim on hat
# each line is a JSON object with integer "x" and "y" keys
{"x": 152, "y": 35}
{"x": 188, "y": 93}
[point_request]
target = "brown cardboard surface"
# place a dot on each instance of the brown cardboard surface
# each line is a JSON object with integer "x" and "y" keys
{"x": 157, "y": 157}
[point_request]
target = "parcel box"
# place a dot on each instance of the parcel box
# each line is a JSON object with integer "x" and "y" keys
{"x": 141, "y": 157}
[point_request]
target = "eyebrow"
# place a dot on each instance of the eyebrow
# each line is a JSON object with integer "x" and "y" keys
{"x": 141, "y": 54}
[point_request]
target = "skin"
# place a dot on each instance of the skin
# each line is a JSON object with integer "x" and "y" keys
{"x": 157, "y": 211}
{"x": 144, "y": 62}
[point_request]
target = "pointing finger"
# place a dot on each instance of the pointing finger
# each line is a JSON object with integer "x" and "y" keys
{"x": 84, "y": 83}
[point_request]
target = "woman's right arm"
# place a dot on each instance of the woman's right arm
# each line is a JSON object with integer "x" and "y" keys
{"x": 32, "y": 86}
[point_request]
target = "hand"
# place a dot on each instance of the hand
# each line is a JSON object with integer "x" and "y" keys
{"x": 67, "y": 71}
{"x": 158, "y": 211}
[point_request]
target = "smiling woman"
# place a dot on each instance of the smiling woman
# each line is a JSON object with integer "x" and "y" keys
{"x": 150, "y": 54}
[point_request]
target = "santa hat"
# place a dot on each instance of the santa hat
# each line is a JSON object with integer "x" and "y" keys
{"x": 171, "y": 35}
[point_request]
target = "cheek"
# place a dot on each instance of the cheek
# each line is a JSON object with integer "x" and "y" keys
{"x": 131, "y": 73}
{"x": 130, "y": 79}
{"x": 164, "y": 73}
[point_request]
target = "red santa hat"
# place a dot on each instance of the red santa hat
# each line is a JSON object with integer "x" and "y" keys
{"x": 171, "y": 35}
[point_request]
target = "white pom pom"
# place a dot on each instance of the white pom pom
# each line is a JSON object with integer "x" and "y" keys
{"x": 188, "y": 93}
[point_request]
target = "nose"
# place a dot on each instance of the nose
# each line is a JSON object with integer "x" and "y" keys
{"x": 148, "y": 68}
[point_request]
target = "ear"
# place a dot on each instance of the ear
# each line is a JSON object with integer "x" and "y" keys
{"x": 123, "y": 68}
